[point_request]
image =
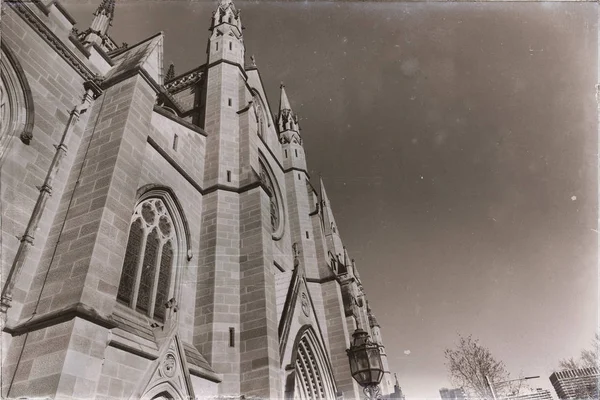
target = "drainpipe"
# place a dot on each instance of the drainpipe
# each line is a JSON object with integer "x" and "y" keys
{"x": 92, "y": 92}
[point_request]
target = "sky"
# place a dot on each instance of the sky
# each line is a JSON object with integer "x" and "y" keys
{"x": 458, "y": 145}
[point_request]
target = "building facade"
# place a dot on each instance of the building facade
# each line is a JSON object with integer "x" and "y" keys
{"x": 452, "y": 394}
{"x": 537, "y": 394}
{"x": 579, "y": 383}
{"x": 161, "y": 237}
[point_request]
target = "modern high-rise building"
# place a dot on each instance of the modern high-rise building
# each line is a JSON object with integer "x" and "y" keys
{"x": 576, "y": 383}
{"x": 161, "y": 237}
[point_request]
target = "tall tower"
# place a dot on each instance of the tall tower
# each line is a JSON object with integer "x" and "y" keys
{"x": 289, "y": 134}
{"x": 97, "y": 33}
{"x": 300, "y": 193}
{"x": 226, "y": 41}
{"x": 236, "y": 297}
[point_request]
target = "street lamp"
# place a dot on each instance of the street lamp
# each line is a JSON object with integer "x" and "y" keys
{"x": 365, "y": 363}
{"x": 490, "y": 383}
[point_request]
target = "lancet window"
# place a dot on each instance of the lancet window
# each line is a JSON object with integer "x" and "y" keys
{"x": 275, "y": 201}
{"x": 259, "y": 110}
{"x": 147, "y": 275}
{"x": 16, "y": 104}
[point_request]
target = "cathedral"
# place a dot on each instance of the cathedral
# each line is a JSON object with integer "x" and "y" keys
{"x": 161, "y": 237}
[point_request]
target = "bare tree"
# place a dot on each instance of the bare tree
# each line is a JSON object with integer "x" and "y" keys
{"x": 589, "y": 391}
{"x": 587, "y": 359}
{"x": 468, "y": 365}
{"x": 569, "y": 363}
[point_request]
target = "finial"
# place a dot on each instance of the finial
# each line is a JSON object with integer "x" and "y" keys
{"x": 252, "y": 61}
{"x": 170, "y": 73}
{"x": 108, "y": 8}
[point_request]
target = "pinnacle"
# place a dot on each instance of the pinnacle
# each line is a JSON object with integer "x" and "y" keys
{"x": 322, "y": 189}
{"x": 284, "y": 103}
{"x": 170, "y": 73}
{"x": 108, "y": 7}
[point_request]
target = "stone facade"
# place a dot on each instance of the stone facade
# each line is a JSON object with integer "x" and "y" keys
{"x": 121, "y": 190}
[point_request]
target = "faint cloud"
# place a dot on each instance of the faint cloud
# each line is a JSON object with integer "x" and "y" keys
{"x": 439, "y": 138}
{"x": 410, "y": 67}
{"x": 407, "y": 352}
{"x": 573, "y": 198}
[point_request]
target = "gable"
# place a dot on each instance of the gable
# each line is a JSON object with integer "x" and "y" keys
{"x": 168, "y": 375}
{"x": 298, "y": 313}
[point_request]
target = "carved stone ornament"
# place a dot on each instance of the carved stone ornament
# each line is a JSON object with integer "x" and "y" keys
{"x": 169, "y": 365}
{"x": 304, "y": 304}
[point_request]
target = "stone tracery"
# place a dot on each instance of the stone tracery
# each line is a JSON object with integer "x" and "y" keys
{"x": 146, "y": 273}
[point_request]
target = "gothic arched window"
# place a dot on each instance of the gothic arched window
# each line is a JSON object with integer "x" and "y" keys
{"x": 276, "y": 210}
{"x": 16, "y": 103}
{"x": 152, "y": 249}
{"x": 260, "y": 115}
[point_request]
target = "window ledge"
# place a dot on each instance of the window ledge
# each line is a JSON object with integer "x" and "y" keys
{"x": 133, "y": 322}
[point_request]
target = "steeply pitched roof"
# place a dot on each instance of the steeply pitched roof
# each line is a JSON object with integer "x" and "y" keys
{"x": 147, "y": 55}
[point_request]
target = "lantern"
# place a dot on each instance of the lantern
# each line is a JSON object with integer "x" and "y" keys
{"x": 365, "y": 363}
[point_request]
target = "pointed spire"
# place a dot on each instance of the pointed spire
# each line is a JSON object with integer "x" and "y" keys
{"x": 98, "y": 31}
{"x": 170, "y": 73}
{"x": 284, "y": 103}
{"x": 334, "y": 241}
{"x": 287, "y": 120}
{"x": 323, "y": 193}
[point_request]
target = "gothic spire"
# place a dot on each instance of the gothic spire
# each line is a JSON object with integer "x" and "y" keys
{"x": 107, "y": 7}
{"x": 284, "y": 103}
{"x": 334, "y": 241}
{"x": 287, "y": 120}
{"x": 226, "y": 41}
{"x": 226, "y": 13}
{"x": 326, "y": 208}
{"x": 98, "y": 32}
